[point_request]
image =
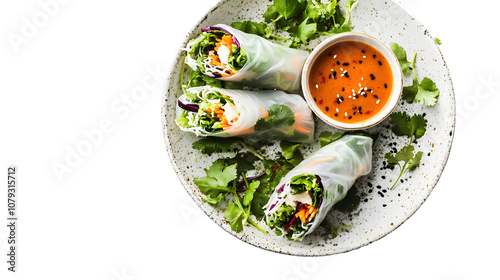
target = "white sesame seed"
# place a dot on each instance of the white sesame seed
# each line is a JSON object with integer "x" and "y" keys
{"x": 346, "y": 114}
{"x": 341, "y": 75}
{"x": 361, "y": 78}
{"x": 335, "y": 56}
{"x": 317, "y": 86}
{"x": 337, "y": 109}
{"x": 359, "y": 84}
{"x": 364, "y": 56}
{"x": 350, "y": 96}
{"x": 341, "y": 69}
{"x": 378, "y": 101}
{"x": 354, "y": 98}
{"x": 331, "y": 69}
{"x": 366, "y": 88}
{"x": 338, "y": 96}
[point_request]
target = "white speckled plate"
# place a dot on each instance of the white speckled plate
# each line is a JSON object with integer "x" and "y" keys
{"x": 380, "y": 210}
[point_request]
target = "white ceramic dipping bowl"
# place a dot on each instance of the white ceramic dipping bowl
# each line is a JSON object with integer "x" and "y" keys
{"x": 397, "y": 85}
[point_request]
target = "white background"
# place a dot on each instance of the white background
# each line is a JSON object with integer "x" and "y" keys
{"x": 120, "y": 213}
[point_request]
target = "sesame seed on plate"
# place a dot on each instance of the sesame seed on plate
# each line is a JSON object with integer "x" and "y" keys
{"x": 378, "y": 101}
{"x": 317, "y": 86}
{"x": 335, "y": 56}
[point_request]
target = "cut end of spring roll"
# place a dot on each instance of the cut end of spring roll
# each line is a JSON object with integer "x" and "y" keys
{"x": 303, "y": 198}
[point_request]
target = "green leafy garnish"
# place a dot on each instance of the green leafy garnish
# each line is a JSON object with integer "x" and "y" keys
{"x": 424, "y": 92}
{"x": 215, "y": 184}
{"x": 437, "y": 41}
{"x": 413, "y": 127}
{"x": 210, "y": 145}
{"x": 403, "y": 125}
{"x": 280, "y": 116}
{"x": 401, "y": 56}
{"x": 302, "y": 20}
{"x": 408, "y": 157}
{"x": 334, "y": 229}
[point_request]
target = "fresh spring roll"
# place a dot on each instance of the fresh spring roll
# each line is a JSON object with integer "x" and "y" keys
{"x": 232, "y": 55}
{"x": 304, "y": 196}
{"x": 267, "y": 114}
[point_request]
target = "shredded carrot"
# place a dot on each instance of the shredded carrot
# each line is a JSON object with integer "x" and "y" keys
{"x": 318, "y": 161}
{"x": 265, "y": 115}
{"x": 306, "y": 214}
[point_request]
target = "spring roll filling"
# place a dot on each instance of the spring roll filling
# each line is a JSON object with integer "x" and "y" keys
{"x": 297, "y": 204}
{"x": 215, "y": 53}
{"x": 216, "y": 112}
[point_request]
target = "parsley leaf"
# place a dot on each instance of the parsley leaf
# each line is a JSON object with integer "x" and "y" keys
{"x": 404, "y": 125}
{"x": 437, "y": 41}
{"x": 215, "y": 184}
{"x": 406, "y": 155}
{"x": 235, "y": 216}
{"x": 401, "y": 56}
{"x": 257, "y": 28}
{"x": 250, "y": 192}
{"x": 290, "y": 8}
{"x": 279, "y": 116}
{"x": 210, "y": 145}
{"x": 334, "y": 229}
{"x": 424, "y": 92}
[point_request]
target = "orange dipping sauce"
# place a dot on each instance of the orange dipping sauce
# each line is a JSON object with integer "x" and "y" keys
{"x": 351, "y": 82}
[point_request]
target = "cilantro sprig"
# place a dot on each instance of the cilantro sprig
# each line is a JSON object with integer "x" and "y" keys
{"x": 222, "y": 179}
{"x": 425, "y": 92}
{"x": 303, "y": 21}
{"x": 413, "y": 127}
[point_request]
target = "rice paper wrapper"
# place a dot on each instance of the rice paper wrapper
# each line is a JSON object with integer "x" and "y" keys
{"x": 268, "y": 65}
{"x": 254, "y": 105}
{"x": 338, "y": 165}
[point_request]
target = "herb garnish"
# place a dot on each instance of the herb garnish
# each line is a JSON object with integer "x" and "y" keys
{"x": 302, "y": 20}
{"x": 414, "y": 127}
{"x": 424, "y": 92}
{"x": 249, "y": 196}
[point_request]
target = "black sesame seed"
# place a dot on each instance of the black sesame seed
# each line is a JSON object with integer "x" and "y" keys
{"x": 385, "y": 85}
{"x": 326, "y": 108}
{"x": 429, "y": 154}
{"x": 376, "y": 96}
{"x": 338, "y": 101}
{"x": 345, "y": 63}
{"x": 372, "y": 77}
{"x": 341, "y": 98}
{"x": 354, "y": 108}
{"x": 384, "y": 205}
{"x": 402, "y": 181}
{"x": 335, "y": 74}
{"x": 381, "y": 194}
{"x": 380, "y": 63}
{"x": 370, "y": 190}
{"x": 374, "y": 56}
{"x": 354, "y": 113}
{"x": 424, "y": 114}
{"x": 360, "y": 61}
{"x": 346, "y": 75}
{"x": 359, "y": 109}
{"x": 370, "y": 90}
{"x": 383, "y": 177}
{"x": 384, "y": 190}
{"x": 370, "y": 185}
{"x": 365, "y": 95}
{"x": 379, "y": 187}
{"x": 366, "y": 199}
{"x": 343, "y": 89}
{"x": 330, "y": 76}
{"x": 329, "y": 54}
{"x": 315, "y": 99}
{"x": 338, "y": 62}
{"x": 363, "y": 51}
{"x": 336, "y": 115}
{"x": 350, "y": 117}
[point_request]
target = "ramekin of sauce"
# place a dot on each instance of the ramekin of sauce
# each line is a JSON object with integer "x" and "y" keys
{"x": 352, "y": 81}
